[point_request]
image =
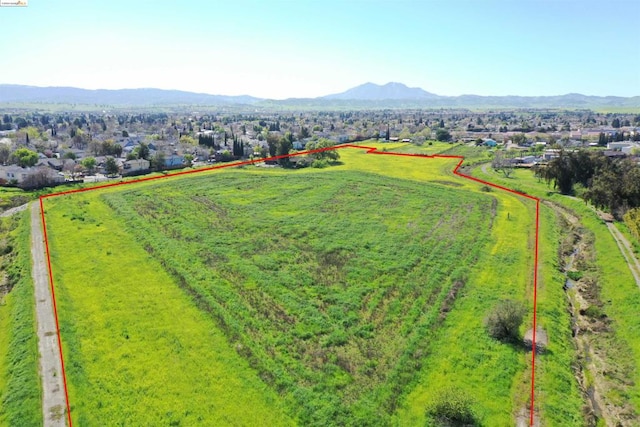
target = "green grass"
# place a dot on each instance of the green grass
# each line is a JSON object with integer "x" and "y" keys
{"x": 20, "y": 398}
{"x": 137, "y": 349}
{"x": 12, "y": 197}
{"x": 343, "y": 296}
{"x": 618, "y": 290}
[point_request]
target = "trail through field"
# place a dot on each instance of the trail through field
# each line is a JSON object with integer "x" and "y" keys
{"x": 12, "y": 211}
{"x": 627, "y": 252}
{"x": 53, "y": 396}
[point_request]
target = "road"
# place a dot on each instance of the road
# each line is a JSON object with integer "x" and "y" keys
{"x": 53, "y": 396}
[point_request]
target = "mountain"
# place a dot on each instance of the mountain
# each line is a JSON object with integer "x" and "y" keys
{"x": 123, "y": 97}
{"x": 374, "y": 92}
{"x": 366, "y": 96}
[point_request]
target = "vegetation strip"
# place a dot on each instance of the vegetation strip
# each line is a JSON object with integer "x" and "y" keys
{"x": 370, "y": 150}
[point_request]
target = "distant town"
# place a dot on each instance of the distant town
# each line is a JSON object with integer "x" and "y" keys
{"x": 41, "y": 149}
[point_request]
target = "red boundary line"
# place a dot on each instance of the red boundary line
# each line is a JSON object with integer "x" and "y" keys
{"x": 370, "y": 150}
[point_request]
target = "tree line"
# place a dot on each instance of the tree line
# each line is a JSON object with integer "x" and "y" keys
{"x": 608, "y": 183}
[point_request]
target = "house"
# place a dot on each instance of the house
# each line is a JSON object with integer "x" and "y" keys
{"x": 174, "y": 161}
{"x": 34, "y": 177}
{"x": 135, "y": 166}
{"x": 618, "y": 145}
{"x": 612, "y": 153}
{"x": 631, "y": 149}
{"x": 550, "y": 154}
{"x": 490, "y": 143}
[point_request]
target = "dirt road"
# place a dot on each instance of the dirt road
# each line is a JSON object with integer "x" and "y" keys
{"x": 627, "y": 252}
{"x": 53, "y": 396}
{"x": 11, "y": 211}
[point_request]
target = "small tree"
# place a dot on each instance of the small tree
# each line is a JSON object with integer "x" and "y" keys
{"x": 503, "y": 164}
{"x": 452, "y": 408}
{"x": 111, "y": 167}
{"x": 89, "y": 163}
{"x": 503, "y": 323}
{"x": 443, "y": 135}
{"x": 25, "y": 157}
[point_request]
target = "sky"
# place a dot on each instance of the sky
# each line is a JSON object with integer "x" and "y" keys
{"x": 307, "y": 48}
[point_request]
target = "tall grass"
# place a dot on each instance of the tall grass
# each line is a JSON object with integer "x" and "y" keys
{"x": 20, "y": 389}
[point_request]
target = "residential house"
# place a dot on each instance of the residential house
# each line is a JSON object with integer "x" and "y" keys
{"x": 135, "y": 166}
{"x": 38, "y": 175}
{"x": 174, "y": 161}
{"x": 618, "y": 145}
{"x": 490, "y": 143}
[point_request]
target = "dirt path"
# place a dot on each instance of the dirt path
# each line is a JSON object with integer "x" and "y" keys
{"x": 627, "y": 252}
{"x": 53, "y": 396}
{"x": 11, "y": 211}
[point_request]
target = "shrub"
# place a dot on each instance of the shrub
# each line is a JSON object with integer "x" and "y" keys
{"x": 594, "y": 312}
{"x": 452, "y": 407}
{"x": 503, "y": 323}
{"x": 319, "y": 164}
{"x": 575, "y": 275}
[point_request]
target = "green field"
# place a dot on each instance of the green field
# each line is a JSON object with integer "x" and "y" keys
{"x": 20, "y": 393}
{"x": 619, "y": 293}
{"x": 350, "y": 295}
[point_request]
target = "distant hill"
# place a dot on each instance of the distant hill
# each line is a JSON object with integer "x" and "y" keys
{"x": 390, "y": 91}
{"x": 125, "y": 97}
{"x": 366, "y": 96}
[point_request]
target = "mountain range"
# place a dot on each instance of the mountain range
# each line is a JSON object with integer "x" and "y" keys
{"x": 368, "y": 95}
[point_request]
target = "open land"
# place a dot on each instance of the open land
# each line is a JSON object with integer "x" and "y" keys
{"x": 315, "y": 295}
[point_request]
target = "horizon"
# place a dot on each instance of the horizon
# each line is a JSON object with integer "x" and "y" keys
{"x": 281, "y": 49}
{"x": 320, "y": 96}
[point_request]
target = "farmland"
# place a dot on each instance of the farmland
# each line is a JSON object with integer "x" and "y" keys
{"x": 348, "y": 295}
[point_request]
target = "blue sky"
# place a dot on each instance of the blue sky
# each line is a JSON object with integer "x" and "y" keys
{"x": 280, "y": 49}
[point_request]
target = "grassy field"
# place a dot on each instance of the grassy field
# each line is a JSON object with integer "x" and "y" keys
{"x": 344, "y": 296}
{"x": 618, "y": 291}
{"x": 20, "y": 399}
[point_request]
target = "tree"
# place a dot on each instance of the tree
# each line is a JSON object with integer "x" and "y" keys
{"x": 188, "y": 159}
{"x": 5, "y": 154}
{"x": 443, "y": 135}
{"x": 615, "y": 123}
{"x": 111, "y": 167}
{"x": 157, "y": 161}
{"x": 89, "y": 163}
{"x": 519, "y": 139}
{"x": 503, "y": 323}
{"x": 25, "y": 157}
{"x": 452, "y": 407}
{"x": 559, "y": 170}
{"x": 331, "y": 155}
{"x": 502, "y": 164}
{"x": 125, "y": 134}
{"x": 304, "y": 133}
{"x": 272, "y": 142}
{"x": 142, "y": 151}
{"x": 41, "y": 177}
{"x": 285, "y": 145}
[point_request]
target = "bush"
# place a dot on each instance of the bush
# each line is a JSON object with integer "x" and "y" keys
{"x": 319, "y": 164}
{"x": 575, "y": 275}
{"x": 594, "y": 312}
{"x": 503, "y": 323}
{"x": 452, "y": 408}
